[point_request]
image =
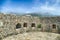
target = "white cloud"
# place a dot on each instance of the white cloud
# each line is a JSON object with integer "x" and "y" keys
{"x": 55, "y": 8}
{"x": 47, "y": 8}
{"x": 13, "y": 9}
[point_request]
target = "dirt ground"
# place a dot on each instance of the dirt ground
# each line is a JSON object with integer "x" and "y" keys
{"x": 33, "y": 36}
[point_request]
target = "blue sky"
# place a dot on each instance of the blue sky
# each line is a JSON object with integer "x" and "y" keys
{"x": 29, "y": 6}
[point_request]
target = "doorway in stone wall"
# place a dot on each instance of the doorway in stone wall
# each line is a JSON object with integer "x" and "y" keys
{"x": 25, "y": 25}
{"x": 33, "y": 25}
{"x": 54, "y": 26}
{"x": 18, "y": 25}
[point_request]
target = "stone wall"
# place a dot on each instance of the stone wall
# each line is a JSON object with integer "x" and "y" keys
{"x": 8, "y": 24}
{"x": 11, "y": 24}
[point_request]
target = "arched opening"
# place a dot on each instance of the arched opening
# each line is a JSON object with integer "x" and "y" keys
{"x": 54, "y": 26}
{"x": 33, "y": 25}
{"x": 25, "y": 25}
{"x": 18, "y": 26}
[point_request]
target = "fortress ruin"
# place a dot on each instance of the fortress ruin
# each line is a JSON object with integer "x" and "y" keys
{"x": 12, "y": 24}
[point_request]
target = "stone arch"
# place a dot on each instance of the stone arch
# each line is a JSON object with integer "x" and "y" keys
{"x": 54, "y": 26}
{"x": 18, "y": 25}
{"x": 25, "y": 25}
{"x": 33, "y": 25}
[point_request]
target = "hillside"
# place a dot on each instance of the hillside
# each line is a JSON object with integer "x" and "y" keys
{"x": 40, "y": 14}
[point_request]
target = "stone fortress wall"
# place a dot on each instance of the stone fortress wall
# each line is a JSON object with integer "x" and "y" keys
{"x": 11, "y": 24}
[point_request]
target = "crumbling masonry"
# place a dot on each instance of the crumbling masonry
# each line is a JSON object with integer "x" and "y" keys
{"x": 12, "y": 24}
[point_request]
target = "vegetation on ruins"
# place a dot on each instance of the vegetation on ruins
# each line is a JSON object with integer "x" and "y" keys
{"x": 39, "y": 26}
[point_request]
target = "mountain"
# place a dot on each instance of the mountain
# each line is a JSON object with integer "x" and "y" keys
{"x": 40, "y": 14}
{"x": 34, "y": 14}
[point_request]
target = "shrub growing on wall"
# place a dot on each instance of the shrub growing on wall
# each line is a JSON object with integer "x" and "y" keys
{"x": 39, "y": 26}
